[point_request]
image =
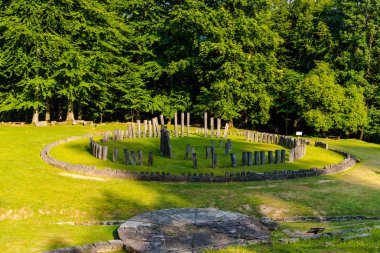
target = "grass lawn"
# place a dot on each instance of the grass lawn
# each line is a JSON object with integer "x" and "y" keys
{"x": 35, "y": 196}
{"x": 78, "y": 152}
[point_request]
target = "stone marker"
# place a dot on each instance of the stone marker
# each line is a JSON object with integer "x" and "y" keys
{"x": 187, "y": 152}
{"x": 133, "y": 158}
{"x": 115, "y": 154}
{"x": 291, "y": 155}
{"x": 229, "y": 142}
{"x": 262, "y": 155}
{"x": 247, "y": 135}
{"x": 195, "y": 163}
{"x": 150, "y": 158}
{"x": 208, "y": 152}
{"x": 175, "y": 125}
{"x": 145, "y": 128}
{"x": 226, "y": 131}
{"x": 138, "y": 129}
{"x": 150, "y": 128}
{"x": 226, "y": 149}
{"x": 233, "y": 161}
{"x": 277, "y": 156}
{"x": 165, "y": 144}
{"x": 182, "y": 124}
{"x": 214, "y": 160}
{"x": 105, "y": 153}
{"x": 154, "y": 127}
{"x": 257, "y": 157}
{"x": 212, "y": 127}
{"x": 188, "y": 124}
{"x": 133, "y": 130}
{"x": 244, "y": 159}
{"x": 270, "y": 157}
{"x": 126, "y": 156}
{"x": 250, "y": 162}
{"x": 205, "y": 126}
{"x": 283, "y": 156}
{"x": 140, "y": 157}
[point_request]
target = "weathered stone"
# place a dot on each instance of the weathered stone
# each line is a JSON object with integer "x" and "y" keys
{"x": 270, "y": 157}
{"x": 115, "y": 154}
{"x": 140, "y": 157}
{"x": 195, "y": 162}
{"x": 277, "y": 156}
{"x": 138, "y": 128}
{"x": 190, "y": 230}
{"x": 283, "y": 156}
{"x": 187, "y": 152}
{"x": 226, "y": 131}
{"x": 126, "y": 156}
{"x": 150, "y": 158}
{"x": 182, "y": 124}
{"x": 262, "y": 157}
{"x": 218, "y": 126}
{"x": 205, "y": 124}
{"x": 150, "y": 128}
{"x": 257, "y": 157}
{"x": 226, "y": 149}
{"x": 214, "y": 160}
{"x": 212, "y": 127}
{"x": 133, "y": 157}
{"x": 233, "y": 161}
{"x": 250, "y": 162}
{"x": 105, "y": 153}
{"x": 244, "y": 159}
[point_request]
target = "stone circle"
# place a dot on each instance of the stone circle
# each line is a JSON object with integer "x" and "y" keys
{"x": 190, "y": 230}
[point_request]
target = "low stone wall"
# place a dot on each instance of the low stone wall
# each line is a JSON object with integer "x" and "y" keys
{"x": 97, "y": 247}
{"x": 242, "y": 176}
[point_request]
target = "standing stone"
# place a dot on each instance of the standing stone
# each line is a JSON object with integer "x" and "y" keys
{"x": 150, "y": 128}
{"x": 150, "y": 158}
{"x": 212, "y": 127}
{"x": 162, "y": 142}
{"x": 162, "y": 121}
{"x": 126, "y": 156}
{"x": 229, "y": 142}
{"x": 226, "y": 131}
{"x": 115, "y": 154}
{"x": 244, "y": 159}
{"x": 133, "y": 158}
{"x": 218, "y": 126}
{"x": 138, "y": 128}
{"x": 250, "y": 162}
{"x": 270, "y": 157}
{"x": 133, "y": 130}
{"x": 247, "y": 136}
{"x": 105, "y": 153}
{"x": 145, "y": 128}
{"x": 214, "y": 160}
{"x": 220, "y": 143}
{"x": 283, "y": 156}
{"x": 257, "y": 157}
{"x": 277, "y": 156}
{"x": 205, "y": 126}
{"x": 233, "y": 161}
{"x": 208, "y": 152}
{"x": 182, "y": 124}
{"x": 187, "y": 152}
{"x": 195, "y": 163}
{"x": 291, "y": 155}
{"x": 188, "y": 124}
{"x": 175, "y": 125}
{"x": 140, "y": 157}
{"x": 262, "y": 155}
{"x": 226, "y": 149}
{"x": 154, "y": 127}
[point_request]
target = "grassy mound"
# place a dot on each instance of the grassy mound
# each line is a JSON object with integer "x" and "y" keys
{"x": 78, "y": 152}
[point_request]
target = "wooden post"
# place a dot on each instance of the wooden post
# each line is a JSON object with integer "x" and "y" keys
{"x": 226, "y": 131}
{"x": 188, "y": 124}
{"x": 212, "y": 127}
{"x": 205, "y": 126}
{"x": 175, "y": 125}
{"x": 138, "y": 129}
{"x": 182, "y": 124}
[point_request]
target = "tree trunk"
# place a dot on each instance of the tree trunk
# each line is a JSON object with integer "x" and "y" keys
{"x": 361, "y": 133}
{"x": 35, "y": 116}
{"x": 70, "y": 110}
{"x": 47, "y": 113}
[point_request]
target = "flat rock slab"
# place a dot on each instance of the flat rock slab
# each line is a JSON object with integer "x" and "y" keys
{"x": 190, "y": 230}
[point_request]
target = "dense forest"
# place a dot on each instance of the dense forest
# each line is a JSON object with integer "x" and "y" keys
{"x": 278, "y": 65}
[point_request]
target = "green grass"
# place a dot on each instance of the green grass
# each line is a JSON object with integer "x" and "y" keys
{"x": 35, "y": 196}
{"x": 78, "y": 152}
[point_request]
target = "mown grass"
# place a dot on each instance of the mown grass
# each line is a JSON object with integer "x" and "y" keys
{"x": 78, "y": 152}
{"x": 35, "y": 196}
